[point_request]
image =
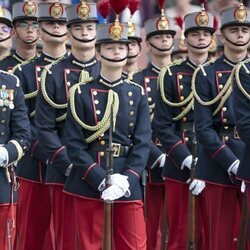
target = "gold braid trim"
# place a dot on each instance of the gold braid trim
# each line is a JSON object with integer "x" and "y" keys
{"x": 135, "y": 84}
{"x": 61, "y": 118}
{"x": 161, "y": 86}
{"x": 18, "y": 148}
{"x": 185, "y": 111}
{"x": 104, "y": 124}
{"x": 221, "y": 93}
{"x": 30, "y": 95}
{"x": 19, "y": 66}
{"x": 237, "y": 77}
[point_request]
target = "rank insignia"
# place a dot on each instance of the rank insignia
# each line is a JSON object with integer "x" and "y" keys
{"x": 202, "y": 19}
{"x": 240, "y": 14}
{"x": 162, "y": 23}
{"x": 115, "y": 31}
{"x": 56, "y": 10}
{"x": 131, "y": 29}
{"x": 83, "y": 10}
{"x": 29, "y": 9}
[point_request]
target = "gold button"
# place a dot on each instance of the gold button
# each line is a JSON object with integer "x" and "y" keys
{"x": 220, "y": 86}
{"x": 3, "y": 87}
{"x": 98, "y": 112}
{"x": 102, "y": 142}
{"x": 182, "y": 98}
{"x": 38, "y": 79}
{"x": 67, "y": 71}
{"x": 224, "y": 109}
{"x": 181, "y": 87}
{"x": 180, "y": 76}
{"x": 131, "y": 125}
{"x": 131, "y": 113}
{"x": 186, "y": 139}
{"x": 150, "y": 99}
{"x": 3, "y": 121}
{"x": 148, "y": 89}
{"x": 220, "y": 75}
{"x": 131, "y": 102}
{"x": 150, "y": 110}
{"x": 224, "y": 120}
{"x": 226, "y": 138}
{"x": 96, "y": 102}
{"x": 101, "y": 153}
{"x": 4, "y": 109}
{"x": 68, "y": 83}
{"x": 130, "y": 93}
{"x": 94, "y": 92}
{"x": 38, "y": 69}
{"x": 225, "y": 127}
{"x": 147, "y": 79}
{"x": 2, "y": 133}
{"x": 184, "y": 119}
{"x": 129, "y": 136}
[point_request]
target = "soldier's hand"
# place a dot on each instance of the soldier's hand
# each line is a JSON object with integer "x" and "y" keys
{"x": 112, "y": 193}
{"x": 122, "y": 182}
{"x": 197, "y": 186}
{"x": 4, "y": 157}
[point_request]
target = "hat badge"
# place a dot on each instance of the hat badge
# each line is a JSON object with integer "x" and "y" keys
{"x": 131, "y": 29}
{"x": 115, "y": 30}
{"x": 1, "y": 12}
{"x": 240, "y": 14}
{"x": 56, "y": 10}
{"x": 83, "y": 10}
{"x": 29, "y": 8}
{"x": 162, "y": 23}
{"x": 202, "y": 19}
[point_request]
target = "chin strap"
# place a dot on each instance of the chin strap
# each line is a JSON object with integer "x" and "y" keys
{"x": 83, "y": 40}
{"x": 5, "y": 39}
{"x": 163, "y": 50}
{"x": 196, "y": 47}
{"x": 50, "y": 34}
{"x": 235, "y": 44}
{"x": 112, "y": 60}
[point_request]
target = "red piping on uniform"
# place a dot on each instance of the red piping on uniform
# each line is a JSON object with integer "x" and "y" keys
{"x": 215, "y": 154}
{"x": 56, "y": 153}
{"x": 89, "y": 168}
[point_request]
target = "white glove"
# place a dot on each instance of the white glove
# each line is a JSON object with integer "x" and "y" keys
{"x": 4, "y": 157}
{"x": 112, "y": 193}
{"x": 197, "y": 186}
{"x": 187, "y": 162}
{"x": 234, "y": 167}
{"x": 118, "y": 180}
{"x": 243, "y": 187}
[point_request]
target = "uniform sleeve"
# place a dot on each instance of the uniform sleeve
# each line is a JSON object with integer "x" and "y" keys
{"x": 242, "y": 106}
{"x": 176, "y": 150}
{"x": 206, "y": 135}
{"x": 76, "y": 145}
{"x": 19, "y": 127}
{"x": 47, "y": 134}
{"x": 139, "y": 153}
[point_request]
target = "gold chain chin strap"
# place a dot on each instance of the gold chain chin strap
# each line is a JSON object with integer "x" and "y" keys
{"x": 104, "y": 124}
{"x": 237, "y": 77}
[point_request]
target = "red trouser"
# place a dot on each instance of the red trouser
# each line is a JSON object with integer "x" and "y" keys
{"x": 223, "y": 208}
{"x": 154, "y": 207}
{"x": 177, "y": 216}
{"x": 63, "y": 218}
{"x": 129, "y": 231}
{"x": 33, "y": 217}
{"x": 7, "y": 226}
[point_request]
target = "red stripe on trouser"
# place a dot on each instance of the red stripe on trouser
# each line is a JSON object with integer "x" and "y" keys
{"x": 129, "y": 225}
{"x": 33, "y": 217}
{"x": 63, "y": 218}
{"x": 223, "y": 208}
{"x": 154, "y": 207}
{"x": 177, "y": 216}
{"x": 5, "y": 215}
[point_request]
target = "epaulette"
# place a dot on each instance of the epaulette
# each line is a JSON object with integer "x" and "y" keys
{"x": 135, "y": 84}
{"x": 10, "y": 74}
{"x": 237, "y": 77}
{"x": 19, "y": 65}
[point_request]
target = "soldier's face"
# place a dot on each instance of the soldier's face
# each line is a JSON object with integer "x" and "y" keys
{"x": 55, "y": 28}
{"x": 162, "y": 41}
{"x": 113, "y": 51}
{"x": 239, "y": 35}
{"x": 85, "y": 32}
{"x": 5, "y": 32}
{"x": 201, "y": 39}
{"x": 26, "y": 31}
{"x": 134, "y": 50}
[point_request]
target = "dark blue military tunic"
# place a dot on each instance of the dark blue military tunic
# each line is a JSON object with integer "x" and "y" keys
{"x": 51, "y": 111}
{"x": 241, "y": 102}
{"x": 147, "y": 78}
{"x": 174, "y": 118}
{"x": 33, "y": 165}
{"x": 215, "y": 123}
{"x": 14, "y": 128}
{"x": 131, "y": 136}
{"x": 9, "y": 62}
